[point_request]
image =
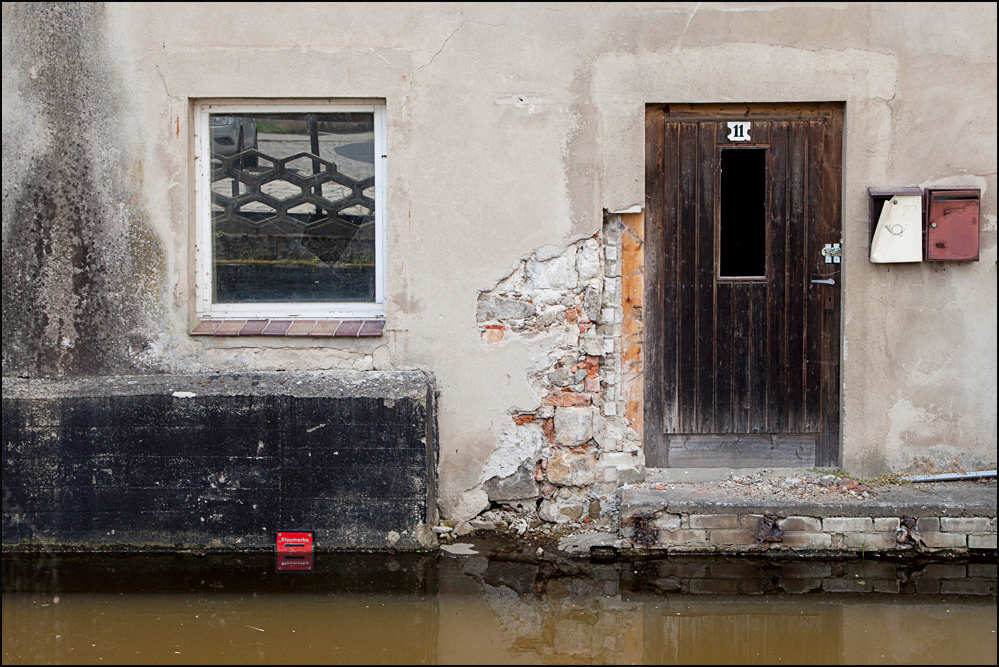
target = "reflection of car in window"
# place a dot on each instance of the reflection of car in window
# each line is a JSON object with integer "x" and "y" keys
{"x": 231, "y": 135}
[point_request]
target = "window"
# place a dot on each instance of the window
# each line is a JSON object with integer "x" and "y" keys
{"x": 291, "y": 210}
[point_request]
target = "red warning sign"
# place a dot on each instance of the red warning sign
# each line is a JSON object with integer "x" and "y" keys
{"x": 294, "y": 542}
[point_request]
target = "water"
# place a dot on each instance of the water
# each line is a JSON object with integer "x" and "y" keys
{"x": 509, "y": 608}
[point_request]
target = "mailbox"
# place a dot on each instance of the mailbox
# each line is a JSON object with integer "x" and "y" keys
{"x": 896, "y": 225}
{"x": 952, "y": 224}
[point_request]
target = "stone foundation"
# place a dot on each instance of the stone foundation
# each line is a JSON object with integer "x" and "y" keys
{"x": 650, "y": 521}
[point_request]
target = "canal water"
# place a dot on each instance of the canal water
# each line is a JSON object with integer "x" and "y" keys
{"x": 509, "y": 607}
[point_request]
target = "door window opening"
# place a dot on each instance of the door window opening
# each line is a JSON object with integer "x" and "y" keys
{"x": 743, "y": 229}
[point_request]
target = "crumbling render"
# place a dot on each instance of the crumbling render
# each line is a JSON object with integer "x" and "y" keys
{"x": 566, "y": 458}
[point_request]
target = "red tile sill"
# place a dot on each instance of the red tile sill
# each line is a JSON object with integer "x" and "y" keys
{"x": 290, "y": 328}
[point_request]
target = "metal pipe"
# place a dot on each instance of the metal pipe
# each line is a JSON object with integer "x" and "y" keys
{"x": 949, "y": 476}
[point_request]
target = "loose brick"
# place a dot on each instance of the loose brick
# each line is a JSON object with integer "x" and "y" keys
{"x": 871, "y": 570}
{"x": 697, "y": 538}
{"x": 966, "y": 587}
{"x": 870, "y": 541}
{"x": 928, "y": 525}
{"x": 568, "y": 399}
{"x": 886, "y": 586}
{"x": 715, "y": 586}
{"x": 927, "y": 586}
{"x": 714, "y": 521}
{"x": 734, "y": 537}
{"x": 844, "y": 524}
{"x": 944, "y": 571}
{"x": 682, "y": 570}
{"x": 965, "y": 525}
{"x": 807, "y": 540}
{"x": 801, "y": 524}
{"x": 723, "y": 570}
{"x": 799, "y": 586}
{"x": 887, "y": 524}
{"x": 847, "y": 585}
{"x": 982, "y": 542}
{"x": 806, "y": 570}
{"x": 753, "y": 587}
{"x": 982, "y": 570}
{"x": 944, "y": 540}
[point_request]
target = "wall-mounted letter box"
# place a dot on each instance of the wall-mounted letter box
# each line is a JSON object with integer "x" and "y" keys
{"x": 896, "y": 225}
{"x": 952, "y": 222}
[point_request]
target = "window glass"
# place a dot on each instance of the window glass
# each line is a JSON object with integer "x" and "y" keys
{"x": 292, "y": 207}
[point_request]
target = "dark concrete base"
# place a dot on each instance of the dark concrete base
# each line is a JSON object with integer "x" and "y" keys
{"x": 220, "y": 461}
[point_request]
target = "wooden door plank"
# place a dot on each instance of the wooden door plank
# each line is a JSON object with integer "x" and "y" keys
{"x": 795, "y": 312}
{"x": 687, "y": 304}
{"x": 758, "y": 358}
{"x": 761, "y": 132}
{"x": 724, "y": 357}
{"x": 657, "y": 321}
{"x": 776, "y": 279}
{"x": 827, "y": 448}
{"x": 741, "y": 357}
{"x": 814, "y": 268}
{"x": 742, "y": 450}
{"x": 669, "y": 273}
{"x": 705, "y": 293}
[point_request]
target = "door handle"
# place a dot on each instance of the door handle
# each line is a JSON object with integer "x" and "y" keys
{"x": 827, "y": 281}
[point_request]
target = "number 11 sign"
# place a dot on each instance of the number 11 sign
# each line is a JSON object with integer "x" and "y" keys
{"x": 739, "y": 131}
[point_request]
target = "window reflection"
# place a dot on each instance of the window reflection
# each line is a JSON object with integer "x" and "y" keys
{"x": 293, "y": 207}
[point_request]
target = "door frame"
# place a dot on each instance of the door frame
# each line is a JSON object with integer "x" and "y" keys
{"x": 828, "y": 446}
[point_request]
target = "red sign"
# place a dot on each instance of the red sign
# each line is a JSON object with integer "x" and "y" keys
{"x": 298, "y": 542}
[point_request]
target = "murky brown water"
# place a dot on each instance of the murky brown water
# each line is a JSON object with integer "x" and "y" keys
{"x": 421, "y": 609}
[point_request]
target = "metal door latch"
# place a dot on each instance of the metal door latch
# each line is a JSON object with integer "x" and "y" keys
{"x": 827, "y": 281}
{"x": 832, "y": 253}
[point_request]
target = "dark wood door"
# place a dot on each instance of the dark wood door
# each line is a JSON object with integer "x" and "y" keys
{"x": 742, "y": 344}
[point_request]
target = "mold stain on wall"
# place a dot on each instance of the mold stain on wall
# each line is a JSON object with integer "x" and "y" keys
{"x": 82, "y": 270}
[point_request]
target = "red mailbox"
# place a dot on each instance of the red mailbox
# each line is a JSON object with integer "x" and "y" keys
{"x": 952, "y": 223}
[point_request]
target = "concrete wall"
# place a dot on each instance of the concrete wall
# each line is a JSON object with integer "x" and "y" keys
{"x": 511, "y": 129}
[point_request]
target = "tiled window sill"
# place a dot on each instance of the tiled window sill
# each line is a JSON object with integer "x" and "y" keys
{"x": 291, "y": 328}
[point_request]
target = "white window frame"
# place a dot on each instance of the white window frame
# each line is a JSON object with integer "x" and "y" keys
{"x": 206, "y": 308}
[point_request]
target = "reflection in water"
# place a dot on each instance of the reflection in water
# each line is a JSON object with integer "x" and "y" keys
{"x": 418, "y": 608}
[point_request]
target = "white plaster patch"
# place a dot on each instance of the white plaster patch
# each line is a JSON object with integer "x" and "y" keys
{"x": 516, "y": 445}
{"x": 183, "y": 394}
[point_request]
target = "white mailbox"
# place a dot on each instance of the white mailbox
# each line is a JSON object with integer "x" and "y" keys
{"x": 898, "y": 233}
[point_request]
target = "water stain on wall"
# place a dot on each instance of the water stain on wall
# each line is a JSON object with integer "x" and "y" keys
{"x": 82, "y": 270}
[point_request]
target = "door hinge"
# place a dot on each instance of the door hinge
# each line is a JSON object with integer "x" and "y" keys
{"x": 832, "y": 253}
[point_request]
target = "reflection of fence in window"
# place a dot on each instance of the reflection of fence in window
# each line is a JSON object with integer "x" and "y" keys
{"x": 294, "y": 218}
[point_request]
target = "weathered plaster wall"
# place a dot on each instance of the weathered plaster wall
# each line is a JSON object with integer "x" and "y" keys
{"x": 511, "y": 129}
{"x": 83, "y": 289}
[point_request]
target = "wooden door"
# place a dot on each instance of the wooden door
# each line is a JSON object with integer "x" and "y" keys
{"x": 742, "y": 365}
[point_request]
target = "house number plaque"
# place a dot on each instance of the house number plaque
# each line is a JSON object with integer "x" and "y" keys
{"x": 739, "y": 130}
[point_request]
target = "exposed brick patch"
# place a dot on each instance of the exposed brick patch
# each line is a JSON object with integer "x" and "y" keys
{"x": 524, "y": 418}
{"x": 548, "y": 428}
{"x": 566, "y": 399}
